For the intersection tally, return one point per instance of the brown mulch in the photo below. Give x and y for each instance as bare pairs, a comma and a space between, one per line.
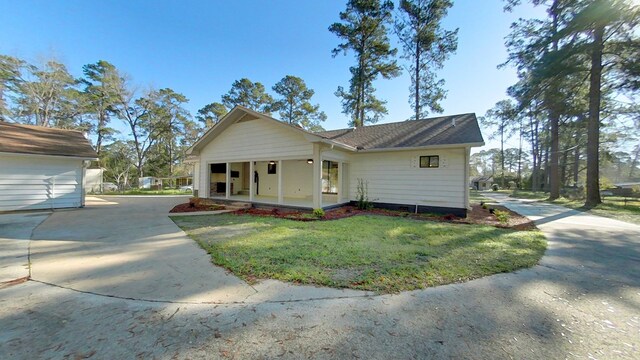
189, 207
477, 215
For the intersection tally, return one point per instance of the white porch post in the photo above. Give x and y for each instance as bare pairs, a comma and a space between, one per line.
252, 184
280, 187
227, 190
340, 192
317, 177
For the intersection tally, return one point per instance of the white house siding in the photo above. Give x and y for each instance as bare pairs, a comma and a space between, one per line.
39, 182
297, 179
252, 140
396, 177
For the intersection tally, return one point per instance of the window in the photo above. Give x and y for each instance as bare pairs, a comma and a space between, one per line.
431, 161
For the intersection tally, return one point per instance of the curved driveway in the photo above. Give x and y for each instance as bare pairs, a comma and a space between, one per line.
582, 301
128, 247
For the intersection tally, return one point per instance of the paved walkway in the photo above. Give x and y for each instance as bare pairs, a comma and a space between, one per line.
582, 301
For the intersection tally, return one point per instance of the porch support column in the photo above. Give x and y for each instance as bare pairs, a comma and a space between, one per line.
280, 187
317, 177
227, 190
252, 184
340, 192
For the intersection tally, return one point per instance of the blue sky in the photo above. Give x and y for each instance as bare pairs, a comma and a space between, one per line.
199, 48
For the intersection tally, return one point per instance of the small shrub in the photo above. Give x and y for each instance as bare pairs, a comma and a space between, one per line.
502, 216
319, 213
362, 195
495, 187
484, 206
194, 202
275, 211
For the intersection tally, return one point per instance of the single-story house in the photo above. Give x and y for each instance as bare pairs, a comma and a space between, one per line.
482, 183
420, 165
42, 168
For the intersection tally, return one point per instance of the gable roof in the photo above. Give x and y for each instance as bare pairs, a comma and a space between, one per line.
460, 129
40, 140
239, 113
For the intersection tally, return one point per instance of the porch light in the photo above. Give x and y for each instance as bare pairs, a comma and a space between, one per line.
309, 161
272, 162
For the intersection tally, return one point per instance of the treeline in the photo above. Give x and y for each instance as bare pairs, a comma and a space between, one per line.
159, 127
575, 104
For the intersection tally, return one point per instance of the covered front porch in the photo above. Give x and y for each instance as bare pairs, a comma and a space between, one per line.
298, 183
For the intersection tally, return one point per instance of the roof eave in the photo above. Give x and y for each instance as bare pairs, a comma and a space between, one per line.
50, 156
442, 146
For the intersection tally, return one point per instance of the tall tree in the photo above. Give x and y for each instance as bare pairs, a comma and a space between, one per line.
172, 121
43, 94
503, 116
249, 94
211, 114
589, 37
294, 104
102, 82
364, 31
426, 46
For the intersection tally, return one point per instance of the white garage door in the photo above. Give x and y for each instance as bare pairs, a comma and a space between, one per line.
39, 182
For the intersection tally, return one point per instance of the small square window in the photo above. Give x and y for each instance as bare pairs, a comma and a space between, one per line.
431, 161
271, 168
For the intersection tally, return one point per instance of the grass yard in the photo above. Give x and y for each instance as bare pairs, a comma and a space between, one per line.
612, 207
377, 253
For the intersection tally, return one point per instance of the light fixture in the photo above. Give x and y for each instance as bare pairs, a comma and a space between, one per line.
272, 162
309, 161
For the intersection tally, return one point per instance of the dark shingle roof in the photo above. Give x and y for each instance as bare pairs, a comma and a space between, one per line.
410, 134
39, 140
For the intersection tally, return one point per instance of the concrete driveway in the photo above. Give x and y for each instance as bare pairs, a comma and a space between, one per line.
582, 301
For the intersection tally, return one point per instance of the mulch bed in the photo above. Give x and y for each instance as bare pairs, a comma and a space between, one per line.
478, 215
190, 207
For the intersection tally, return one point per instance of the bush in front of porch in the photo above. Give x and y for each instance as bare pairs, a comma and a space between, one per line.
377, 253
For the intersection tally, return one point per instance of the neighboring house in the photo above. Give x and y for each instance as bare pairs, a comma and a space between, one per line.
149, 182
156, 183
42, 168
412, 165
482, 182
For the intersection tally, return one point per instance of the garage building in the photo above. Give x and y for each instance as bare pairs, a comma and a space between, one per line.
42, 168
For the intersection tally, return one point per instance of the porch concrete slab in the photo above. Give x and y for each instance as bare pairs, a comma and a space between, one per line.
15, 232
129, 248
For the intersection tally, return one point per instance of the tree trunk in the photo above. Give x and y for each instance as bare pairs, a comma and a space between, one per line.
519, 177
593, 125
502, 153
634, 162
417, 80
554, 120
576, 164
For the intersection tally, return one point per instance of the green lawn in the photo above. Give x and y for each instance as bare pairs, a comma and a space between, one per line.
527, 194
612, 206
378, 253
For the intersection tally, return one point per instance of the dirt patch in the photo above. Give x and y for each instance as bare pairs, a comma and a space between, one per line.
478, 215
